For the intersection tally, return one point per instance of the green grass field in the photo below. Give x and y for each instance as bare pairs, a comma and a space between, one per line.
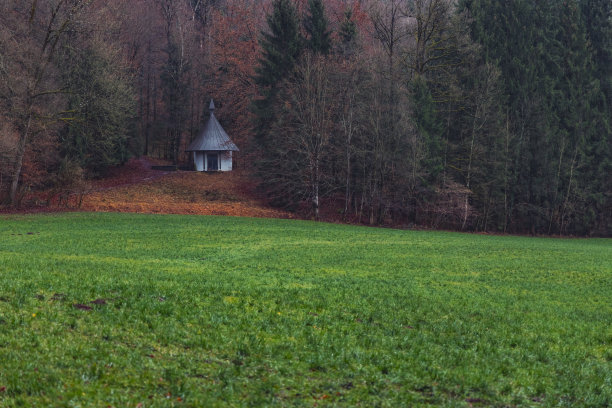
121, 310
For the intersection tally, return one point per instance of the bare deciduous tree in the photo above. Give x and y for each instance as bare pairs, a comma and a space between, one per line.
31, 33
310, 106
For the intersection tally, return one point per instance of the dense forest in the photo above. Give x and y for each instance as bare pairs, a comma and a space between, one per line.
475, 115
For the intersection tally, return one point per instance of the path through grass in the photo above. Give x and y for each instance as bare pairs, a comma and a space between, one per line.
120, 310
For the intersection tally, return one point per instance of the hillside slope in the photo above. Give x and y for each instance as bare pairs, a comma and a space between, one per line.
137, 188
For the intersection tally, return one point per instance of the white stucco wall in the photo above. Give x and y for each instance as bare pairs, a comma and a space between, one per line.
224, 160
198, 159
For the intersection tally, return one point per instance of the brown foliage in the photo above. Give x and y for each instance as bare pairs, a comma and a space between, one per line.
234, 50
137, 188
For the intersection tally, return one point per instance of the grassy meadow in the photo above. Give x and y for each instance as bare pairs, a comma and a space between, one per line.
120, 310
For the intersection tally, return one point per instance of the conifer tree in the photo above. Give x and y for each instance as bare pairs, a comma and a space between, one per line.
428, 125
101, 101
558, 131
281, 46
348, 33
586, 87
315, 23
597, 16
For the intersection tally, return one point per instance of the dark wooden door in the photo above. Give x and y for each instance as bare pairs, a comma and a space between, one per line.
213, 161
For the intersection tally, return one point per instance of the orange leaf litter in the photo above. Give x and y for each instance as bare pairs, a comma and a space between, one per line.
138, 189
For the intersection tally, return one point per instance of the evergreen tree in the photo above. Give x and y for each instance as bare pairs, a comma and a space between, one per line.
597, 15
556, 112
348, 28
513, 41
101, 102
348, 34
598, 147
281, 46
315, 24
428, 125
586, 117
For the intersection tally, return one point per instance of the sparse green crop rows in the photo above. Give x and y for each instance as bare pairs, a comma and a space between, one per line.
120, 310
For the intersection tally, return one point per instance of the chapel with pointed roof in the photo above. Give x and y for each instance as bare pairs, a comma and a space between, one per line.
212, 149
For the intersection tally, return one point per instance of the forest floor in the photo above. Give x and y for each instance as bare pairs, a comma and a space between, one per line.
137, 188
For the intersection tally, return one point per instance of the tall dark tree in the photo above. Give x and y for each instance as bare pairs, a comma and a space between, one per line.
597, 17
281, 45
101, 103
385, 136
302, 155
175, 89
174, 80
318, 38
350, 95
348, 33
428, 125
514, 47
584, 123
556, 112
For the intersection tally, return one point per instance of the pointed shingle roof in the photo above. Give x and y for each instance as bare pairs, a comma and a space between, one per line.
212, 137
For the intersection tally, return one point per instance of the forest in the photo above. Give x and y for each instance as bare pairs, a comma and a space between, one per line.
473, 115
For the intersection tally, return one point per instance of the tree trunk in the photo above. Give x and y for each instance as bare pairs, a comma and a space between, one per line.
315, 189
469, 172
23, 139
557, 181
562, 216
506, 157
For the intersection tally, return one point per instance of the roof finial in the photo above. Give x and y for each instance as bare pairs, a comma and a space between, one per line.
212, 106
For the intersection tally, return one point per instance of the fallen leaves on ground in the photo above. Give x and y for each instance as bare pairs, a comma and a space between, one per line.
139, 189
